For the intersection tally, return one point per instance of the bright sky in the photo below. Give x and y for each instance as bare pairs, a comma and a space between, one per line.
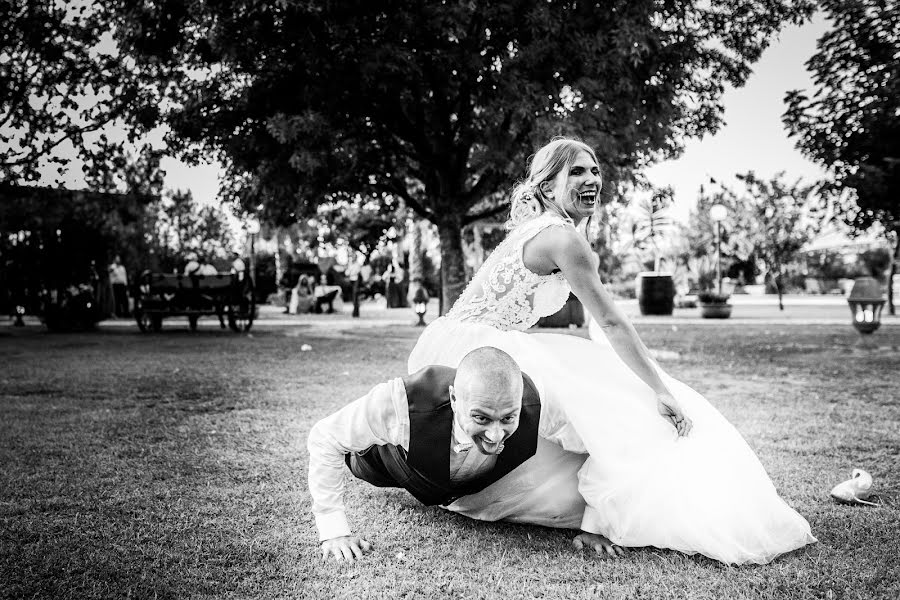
752, 138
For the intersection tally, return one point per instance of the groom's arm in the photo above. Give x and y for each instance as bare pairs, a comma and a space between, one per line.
378, 418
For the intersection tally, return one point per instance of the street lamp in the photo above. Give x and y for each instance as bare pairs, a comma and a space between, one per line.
20, 312
253, 229
717, 213
420, 302
866, 302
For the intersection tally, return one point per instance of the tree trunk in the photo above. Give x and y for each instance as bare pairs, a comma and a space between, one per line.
778, 289
416, 268
453, 268
892, 271
278, 270
356, 284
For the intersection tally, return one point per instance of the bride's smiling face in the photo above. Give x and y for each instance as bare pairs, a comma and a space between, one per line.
577, 189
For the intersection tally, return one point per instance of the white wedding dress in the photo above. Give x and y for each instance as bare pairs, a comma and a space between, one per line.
705, 493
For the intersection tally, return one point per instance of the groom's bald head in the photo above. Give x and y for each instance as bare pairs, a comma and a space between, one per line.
486, 397
489, 371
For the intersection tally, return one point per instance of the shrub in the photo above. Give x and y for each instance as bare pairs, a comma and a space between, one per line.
709, 297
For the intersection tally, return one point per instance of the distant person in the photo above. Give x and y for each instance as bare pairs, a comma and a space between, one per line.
207, 269
193, 265
325, 295
393, 291
118, 277
301, 297
237, 263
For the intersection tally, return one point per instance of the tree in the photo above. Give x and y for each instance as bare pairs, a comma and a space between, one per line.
773, 220
851, 122
61, 82
438, 103
51, 239
652, 222
360, 224
178, 225
416, 271
125, 172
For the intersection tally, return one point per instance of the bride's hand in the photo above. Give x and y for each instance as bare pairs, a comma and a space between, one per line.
671, 411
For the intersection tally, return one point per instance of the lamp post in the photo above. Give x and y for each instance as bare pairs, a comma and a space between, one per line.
420, 301
253, 230
866, 302
717, 213
20, 312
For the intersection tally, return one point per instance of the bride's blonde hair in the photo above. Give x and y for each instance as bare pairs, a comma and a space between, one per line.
528, 200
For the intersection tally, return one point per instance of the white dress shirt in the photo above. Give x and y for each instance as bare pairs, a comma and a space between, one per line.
118, 275
466, 462
382, 417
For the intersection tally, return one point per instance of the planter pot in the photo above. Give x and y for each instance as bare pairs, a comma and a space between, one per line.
715, 311
655, 293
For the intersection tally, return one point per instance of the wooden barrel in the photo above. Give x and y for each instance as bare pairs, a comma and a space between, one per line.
656, 294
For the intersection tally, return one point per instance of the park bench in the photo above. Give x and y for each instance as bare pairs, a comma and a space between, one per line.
161, 295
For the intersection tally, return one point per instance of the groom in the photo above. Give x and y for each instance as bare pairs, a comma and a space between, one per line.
442, 434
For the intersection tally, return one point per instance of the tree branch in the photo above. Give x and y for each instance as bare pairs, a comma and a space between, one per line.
399, 188
485, 214
488, 180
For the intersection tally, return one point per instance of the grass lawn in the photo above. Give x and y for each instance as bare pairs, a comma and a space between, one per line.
174, 466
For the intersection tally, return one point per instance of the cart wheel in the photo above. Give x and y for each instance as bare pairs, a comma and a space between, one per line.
241, 313
144, 320
192, 322
156, 323
240, 317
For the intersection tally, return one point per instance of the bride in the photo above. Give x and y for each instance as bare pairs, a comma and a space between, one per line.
661, 466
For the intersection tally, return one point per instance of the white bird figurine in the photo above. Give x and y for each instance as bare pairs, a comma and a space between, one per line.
855, 490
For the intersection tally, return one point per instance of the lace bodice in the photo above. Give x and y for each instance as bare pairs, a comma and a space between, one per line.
504, 292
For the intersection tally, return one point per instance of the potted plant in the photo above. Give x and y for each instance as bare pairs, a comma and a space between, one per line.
714, 305
655, 290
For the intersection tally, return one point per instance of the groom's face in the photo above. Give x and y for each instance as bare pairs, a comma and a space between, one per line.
487, 413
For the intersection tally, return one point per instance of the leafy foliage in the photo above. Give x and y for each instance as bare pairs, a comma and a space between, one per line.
653, 222
438, 103
61, 82
358, 223
709, 297
52, 239
851, 122
176, 225
772, 222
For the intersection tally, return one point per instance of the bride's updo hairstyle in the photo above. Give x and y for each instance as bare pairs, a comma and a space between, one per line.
528, 200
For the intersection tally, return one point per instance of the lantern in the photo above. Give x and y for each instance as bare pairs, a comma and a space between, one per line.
866, 302
420, 304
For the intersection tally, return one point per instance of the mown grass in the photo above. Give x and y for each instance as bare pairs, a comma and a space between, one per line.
174, 466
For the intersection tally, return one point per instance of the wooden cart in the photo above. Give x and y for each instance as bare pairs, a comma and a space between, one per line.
225, 295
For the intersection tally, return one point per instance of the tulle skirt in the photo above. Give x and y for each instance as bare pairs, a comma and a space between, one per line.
705, 493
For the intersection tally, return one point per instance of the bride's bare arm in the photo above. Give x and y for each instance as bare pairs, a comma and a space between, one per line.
566, 250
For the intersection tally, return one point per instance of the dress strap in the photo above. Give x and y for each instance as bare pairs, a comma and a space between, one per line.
529, 229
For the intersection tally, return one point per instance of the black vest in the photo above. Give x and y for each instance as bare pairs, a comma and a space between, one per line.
425, 470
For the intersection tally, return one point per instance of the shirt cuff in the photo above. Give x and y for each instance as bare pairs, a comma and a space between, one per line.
590, 521
332, 525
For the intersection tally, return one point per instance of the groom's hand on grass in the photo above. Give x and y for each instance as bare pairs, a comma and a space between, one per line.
599, 544
346, 547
